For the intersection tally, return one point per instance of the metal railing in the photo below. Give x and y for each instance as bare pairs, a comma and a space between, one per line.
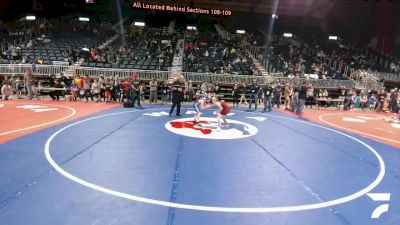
11, 69
386, 76
122, 73
227, 79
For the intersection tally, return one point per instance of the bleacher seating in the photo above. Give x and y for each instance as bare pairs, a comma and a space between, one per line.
207, 53
149, 50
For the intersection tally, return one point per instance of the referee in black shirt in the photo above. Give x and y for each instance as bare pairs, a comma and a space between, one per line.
177, 95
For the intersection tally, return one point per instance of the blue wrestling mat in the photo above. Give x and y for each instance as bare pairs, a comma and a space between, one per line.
143, 167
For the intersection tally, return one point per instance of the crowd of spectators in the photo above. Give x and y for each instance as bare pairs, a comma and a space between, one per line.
145, 49
116, 89
45, 41
322, 59
208, 53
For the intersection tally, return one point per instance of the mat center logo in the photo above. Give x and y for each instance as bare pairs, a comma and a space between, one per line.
209, 129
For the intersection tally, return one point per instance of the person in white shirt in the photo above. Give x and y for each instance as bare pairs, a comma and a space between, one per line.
95, 88
6, 91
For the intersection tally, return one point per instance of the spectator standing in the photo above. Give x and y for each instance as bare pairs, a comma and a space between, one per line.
87, 88
288, 92
164, 92
19, 84
177, 95
107, 90
135, 90
371, 101
190, 91
119, 91
12, 82
381, 97
277, 95
363, 100
236, 94
96, 90
302, 98
29, 81
260, 96
243, 93
310, 96
394, 94
295, 99
253, 92
267, 90
102, 87
153, 90
141, 89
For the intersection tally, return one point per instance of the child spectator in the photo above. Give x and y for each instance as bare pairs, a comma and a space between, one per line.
371, 101
74, 90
